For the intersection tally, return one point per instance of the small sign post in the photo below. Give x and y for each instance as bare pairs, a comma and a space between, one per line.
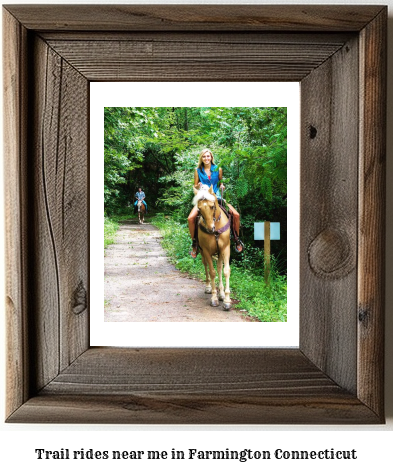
267, 231
267, 252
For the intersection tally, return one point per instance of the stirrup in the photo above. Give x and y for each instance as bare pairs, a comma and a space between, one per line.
239, 242
194, 251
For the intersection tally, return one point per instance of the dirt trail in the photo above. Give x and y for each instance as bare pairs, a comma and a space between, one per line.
141, 285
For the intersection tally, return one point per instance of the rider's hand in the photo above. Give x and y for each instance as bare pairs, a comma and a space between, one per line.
222, 186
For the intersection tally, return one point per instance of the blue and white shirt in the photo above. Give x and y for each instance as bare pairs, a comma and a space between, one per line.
140, 195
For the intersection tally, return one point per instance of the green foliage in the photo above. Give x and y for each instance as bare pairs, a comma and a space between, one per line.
110, 229
158, 148
265, 303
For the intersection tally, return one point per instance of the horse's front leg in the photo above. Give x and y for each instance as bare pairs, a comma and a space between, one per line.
227, 272
221, 295
214, 299
208, 288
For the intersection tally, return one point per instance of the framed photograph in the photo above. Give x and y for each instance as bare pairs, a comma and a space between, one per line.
251, 127
337, 54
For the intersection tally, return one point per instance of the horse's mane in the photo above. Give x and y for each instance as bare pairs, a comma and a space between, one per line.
203, 193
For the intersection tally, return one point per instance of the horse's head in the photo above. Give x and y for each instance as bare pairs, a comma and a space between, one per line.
206, 201
139, 205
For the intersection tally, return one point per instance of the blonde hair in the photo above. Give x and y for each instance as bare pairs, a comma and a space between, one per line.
205, 150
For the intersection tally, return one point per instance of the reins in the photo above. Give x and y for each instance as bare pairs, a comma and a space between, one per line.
224, 202
217, 232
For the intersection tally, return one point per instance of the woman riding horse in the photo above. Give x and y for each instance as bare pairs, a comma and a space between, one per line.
214, 240
210, 174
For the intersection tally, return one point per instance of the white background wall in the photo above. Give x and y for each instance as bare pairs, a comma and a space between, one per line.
373, 443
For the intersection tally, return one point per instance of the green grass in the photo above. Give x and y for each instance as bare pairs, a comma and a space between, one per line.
266, 303
110, 229
111, 225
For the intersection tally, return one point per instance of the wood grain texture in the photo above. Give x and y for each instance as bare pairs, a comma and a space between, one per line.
61, 212
201, 37
371, 262
195, 17
193, 386
52, 374
231, 60
183, 371
14, 74
329, 203
194, 409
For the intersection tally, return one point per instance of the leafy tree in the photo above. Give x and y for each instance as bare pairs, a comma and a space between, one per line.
158, 148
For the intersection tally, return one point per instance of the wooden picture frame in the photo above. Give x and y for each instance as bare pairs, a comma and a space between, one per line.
338, 54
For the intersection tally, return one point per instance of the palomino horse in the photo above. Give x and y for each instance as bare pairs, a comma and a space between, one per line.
214, 238
141, 212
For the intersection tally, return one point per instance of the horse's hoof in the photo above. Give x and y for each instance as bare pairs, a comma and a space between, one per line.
221, 297
226, 306
214, 303
208, 291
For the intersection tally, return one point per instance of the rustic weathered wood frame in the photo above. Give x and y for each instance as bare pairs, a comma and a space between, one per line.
338, 53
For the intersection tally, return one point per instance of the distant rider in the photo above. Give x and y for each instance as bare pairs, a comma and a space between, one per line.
140, 196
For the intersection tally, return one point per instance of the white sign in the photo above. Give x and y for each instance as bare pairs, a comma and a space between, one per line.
259, 231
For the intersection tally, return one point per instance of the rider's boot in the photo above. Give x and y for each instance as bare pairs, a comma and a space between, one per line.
194, 251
